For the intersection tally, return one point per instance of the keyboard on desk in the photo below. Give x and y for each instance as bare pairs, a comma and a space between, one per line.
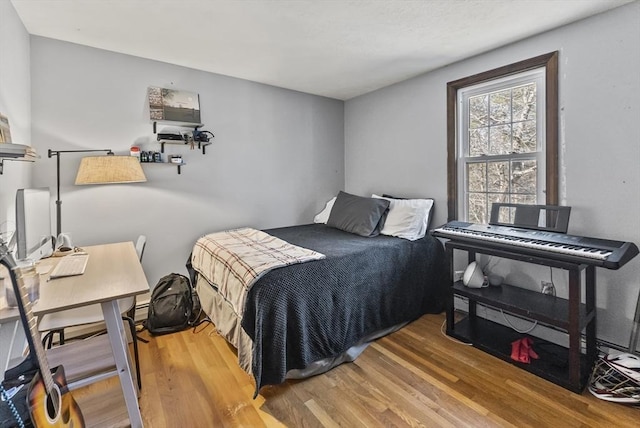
73, 264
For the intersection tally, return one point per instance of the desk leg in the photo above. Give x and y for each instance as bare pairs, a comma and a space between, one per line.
118, 339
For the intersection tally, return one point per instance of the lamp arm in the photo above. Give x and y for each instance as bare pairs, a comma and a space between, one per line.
57, 153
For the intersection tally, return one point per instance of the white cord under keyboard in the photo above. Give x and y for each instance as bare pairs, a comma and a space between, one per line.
73, 264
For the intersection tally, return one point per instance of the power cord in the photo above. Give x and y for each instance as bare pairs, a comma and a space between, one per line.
517, 330
459, 342
530, 329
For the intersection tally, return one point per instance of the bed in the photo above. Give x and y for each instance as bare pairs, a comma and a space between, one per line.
307, 317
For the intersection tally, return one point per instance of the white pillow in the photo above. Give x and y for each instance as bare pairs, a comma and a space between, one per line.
407, 218
323, 215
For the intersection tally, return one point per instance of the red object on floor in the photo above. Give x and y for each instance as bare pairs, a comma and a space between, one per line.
522, 350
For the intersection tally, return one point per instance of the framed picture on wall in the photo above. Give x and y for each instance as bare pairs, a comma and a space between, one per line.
5, 132
173, 105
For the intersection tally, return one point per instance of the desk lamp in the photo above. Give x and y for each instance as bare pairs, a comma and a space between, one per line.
107, 169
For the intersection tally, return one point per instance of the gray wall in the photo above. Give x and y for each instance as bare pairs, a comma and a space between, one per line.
277, 155
15, 103
396, 143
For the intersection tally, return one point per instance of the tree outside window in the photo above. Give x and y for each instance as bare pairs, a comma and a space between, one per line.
503, 138
501, 147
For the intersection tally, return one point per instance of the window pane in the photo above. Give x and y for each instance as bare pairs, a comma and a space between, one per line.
476, 177
524, 137
500, 107
478, 208
523, 177
498, 197
498, 177
478, 141
524, 103
500, 140
478, 111
524, 199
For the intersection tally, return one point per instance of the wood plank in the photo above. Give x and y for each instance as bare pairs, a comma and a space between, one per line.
414, 377
102, 404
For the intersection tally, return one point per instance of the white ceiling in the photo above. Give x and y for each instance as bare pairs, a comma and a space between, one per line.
335, 48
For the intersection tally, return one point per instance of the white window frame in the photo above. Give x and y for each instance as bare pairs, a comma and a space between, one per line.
536, 76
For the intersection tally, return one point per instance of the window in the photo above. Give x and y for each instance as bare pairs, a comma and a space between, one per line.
502, 138
501, 143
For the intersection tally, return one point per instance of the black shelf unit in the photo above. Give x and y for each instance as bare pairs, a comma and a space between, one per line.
568, 366
201, 144
495, 339
550, 310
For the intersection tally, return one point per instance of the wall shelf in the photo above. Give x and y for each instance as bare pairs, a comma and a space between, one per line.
202, 145
16, 152
178, 165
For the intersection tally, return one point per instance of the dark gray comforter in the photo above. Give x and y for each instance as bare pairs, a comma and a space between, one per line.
306, 312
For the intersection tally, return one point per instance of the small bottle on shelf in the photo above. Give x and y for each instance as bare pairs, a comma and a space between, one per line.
135, 151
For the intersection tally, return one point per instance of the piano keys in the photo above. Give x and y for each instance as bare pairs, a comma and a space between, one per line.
578, 249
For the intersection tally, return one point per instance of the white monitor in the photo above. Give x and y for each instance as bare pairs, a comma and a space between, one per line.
33, 224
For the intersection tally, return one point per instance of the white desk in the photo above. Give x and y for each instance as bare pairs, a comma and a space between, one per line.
113, 272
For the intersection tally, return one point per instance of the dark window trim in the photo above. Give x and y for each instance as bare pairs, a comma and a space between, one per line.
550, 62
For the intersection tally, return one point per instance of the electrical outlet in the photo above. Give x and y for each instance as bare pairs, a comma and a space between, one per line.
547, 288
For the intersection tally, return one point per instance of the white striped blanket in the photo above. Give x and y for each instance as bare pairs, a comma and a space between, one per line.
234, 260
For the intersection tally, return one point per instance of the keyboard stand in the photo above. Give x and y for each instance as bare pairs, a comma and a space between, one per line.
564, 366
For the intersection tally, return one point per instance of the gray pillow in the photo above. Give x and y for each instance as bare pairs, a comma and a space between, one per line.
359, 215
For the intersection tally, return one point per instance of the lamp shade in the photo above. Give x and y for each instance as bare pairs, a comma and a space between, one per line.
110, 169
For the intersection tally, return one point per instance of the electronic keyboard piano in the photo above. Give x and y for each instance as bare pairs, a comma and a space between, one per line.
576, 249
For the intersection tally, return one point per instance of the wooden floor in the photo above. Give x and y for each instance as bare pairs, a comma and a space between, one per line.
414, 377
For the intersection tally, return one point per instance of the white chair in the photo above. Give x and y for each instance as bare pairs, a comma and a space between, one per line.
57, 322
